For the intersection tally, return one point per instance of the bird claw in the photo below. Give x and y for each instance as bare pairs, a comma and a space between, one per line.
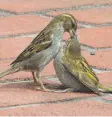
37, 88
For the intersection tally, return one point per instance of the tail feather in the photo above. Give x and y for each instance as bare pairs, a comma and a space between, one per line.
9, 71
104, 89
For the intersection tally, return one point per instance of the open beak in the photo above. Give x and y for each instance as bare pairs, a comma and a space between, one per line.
72, 32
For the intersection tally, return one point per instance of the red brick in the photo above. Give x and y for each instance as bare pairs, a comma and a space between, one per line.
22, 24
35, 5
101, 59
94, 15
96, 37
12, 47
105, 78
23, 93
107, 97
80, 108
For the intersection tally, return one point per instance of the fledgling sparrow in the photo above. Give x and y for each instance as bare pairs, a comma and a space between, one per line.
43, 48
73, 70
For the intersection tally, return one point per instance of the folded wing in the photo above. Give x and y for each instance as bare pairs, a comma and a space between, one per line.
41, 42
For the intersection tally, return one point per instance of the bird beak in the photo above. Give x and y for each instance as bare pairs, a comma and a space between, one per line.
72, 32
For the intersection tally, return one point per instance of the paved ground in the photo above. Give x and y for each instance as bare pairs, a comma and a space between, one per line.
20, 22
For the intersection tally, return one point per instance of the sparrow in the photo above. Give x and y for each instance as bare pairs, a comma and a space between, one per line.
74, 72
43, 48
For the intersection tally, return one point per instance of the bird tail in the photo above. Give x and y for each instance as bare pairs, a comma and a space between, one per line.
9, 71
104, 89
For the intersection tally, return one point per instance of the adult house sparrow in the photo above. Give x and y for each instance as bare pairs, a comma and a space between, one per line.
43, 48
73, 70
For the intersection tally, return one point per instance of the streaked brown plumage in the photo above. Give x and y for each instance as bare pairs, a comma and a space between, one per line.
73, 70
43, 48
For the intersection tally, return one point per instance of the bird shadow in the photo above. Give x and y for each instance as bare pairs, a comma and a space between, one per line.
31, 85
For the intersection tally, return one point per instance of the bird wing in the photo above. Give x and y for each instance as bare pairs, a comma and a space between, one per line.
40, 42
83, 72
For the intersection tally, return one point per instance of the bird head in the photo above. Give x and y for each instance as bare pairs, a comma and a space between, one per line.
72, 48
69, 23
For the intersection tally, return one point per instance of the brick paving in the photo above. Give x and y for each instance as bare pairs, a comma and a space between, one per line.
20, 22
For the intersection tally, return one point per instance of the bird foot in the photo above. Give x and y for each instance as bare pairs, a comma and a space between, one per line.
55, 91
60, 91
39, 88
66, 90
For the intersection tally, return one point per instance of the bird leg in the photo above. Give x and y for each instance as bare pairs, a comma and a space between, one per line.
35, 80
38, 79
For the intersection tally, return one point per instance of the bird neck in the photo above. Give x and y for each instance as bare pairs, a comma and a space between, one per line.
74, 50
